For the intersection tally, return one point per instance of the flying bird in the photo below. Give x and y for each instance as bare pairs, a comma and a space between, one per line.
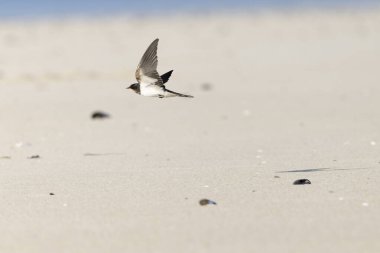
149, 82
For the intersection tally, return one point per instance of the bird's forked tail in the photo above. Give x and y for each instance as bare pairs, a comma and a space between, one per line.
176, 94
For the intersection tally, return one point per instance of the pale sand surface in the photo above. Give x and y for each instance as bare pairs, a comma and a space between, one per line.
289, 91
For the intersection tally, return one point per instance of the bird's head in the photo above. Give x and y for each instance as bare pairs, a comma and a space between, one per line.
135, 87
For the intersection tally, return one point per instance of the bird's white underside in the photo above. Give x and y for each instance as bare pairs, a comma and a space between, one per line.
151, 90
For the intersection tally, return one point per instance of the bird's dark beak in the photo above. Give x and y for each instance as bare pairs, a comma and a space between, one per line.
128, 87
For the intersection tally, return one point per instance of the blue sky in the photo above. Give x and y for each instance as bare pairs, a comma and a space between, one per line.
41, 8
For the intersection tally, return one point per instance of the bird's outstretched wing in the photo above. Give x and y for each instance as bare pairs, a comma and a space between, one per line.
146, 72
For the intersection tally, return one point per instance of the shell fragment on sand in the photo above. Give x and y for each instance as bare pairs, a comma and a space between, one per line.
205, 202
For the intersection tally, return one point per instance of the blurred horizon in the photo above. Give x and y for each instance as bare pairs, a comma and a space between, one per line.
20, 9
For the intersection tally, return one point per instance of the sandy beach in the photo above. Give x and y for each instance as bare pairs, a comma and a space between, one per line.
279, 96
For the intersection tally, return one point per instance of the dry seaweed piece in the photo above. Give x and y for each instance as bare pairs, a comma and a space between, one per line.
205, 202
302, 181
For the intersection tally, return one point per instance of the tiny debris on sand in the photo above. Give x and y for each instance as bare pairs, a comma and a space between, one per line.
21, 144
34, 157
100, 115
205, 202
302, 181
5, 157
102, 154
51, 194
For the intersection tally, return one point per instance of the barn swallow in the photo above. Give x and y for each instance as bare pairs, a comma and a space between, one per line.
149, 82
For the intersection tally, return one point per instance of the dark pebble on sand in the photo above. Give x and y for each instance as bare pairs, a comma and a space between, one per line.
205, 202
34, 157
99, 115
302, 181
51, 194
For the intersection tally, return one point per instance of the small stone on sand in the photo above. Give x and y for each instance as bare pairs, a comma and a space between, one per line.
100, 115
